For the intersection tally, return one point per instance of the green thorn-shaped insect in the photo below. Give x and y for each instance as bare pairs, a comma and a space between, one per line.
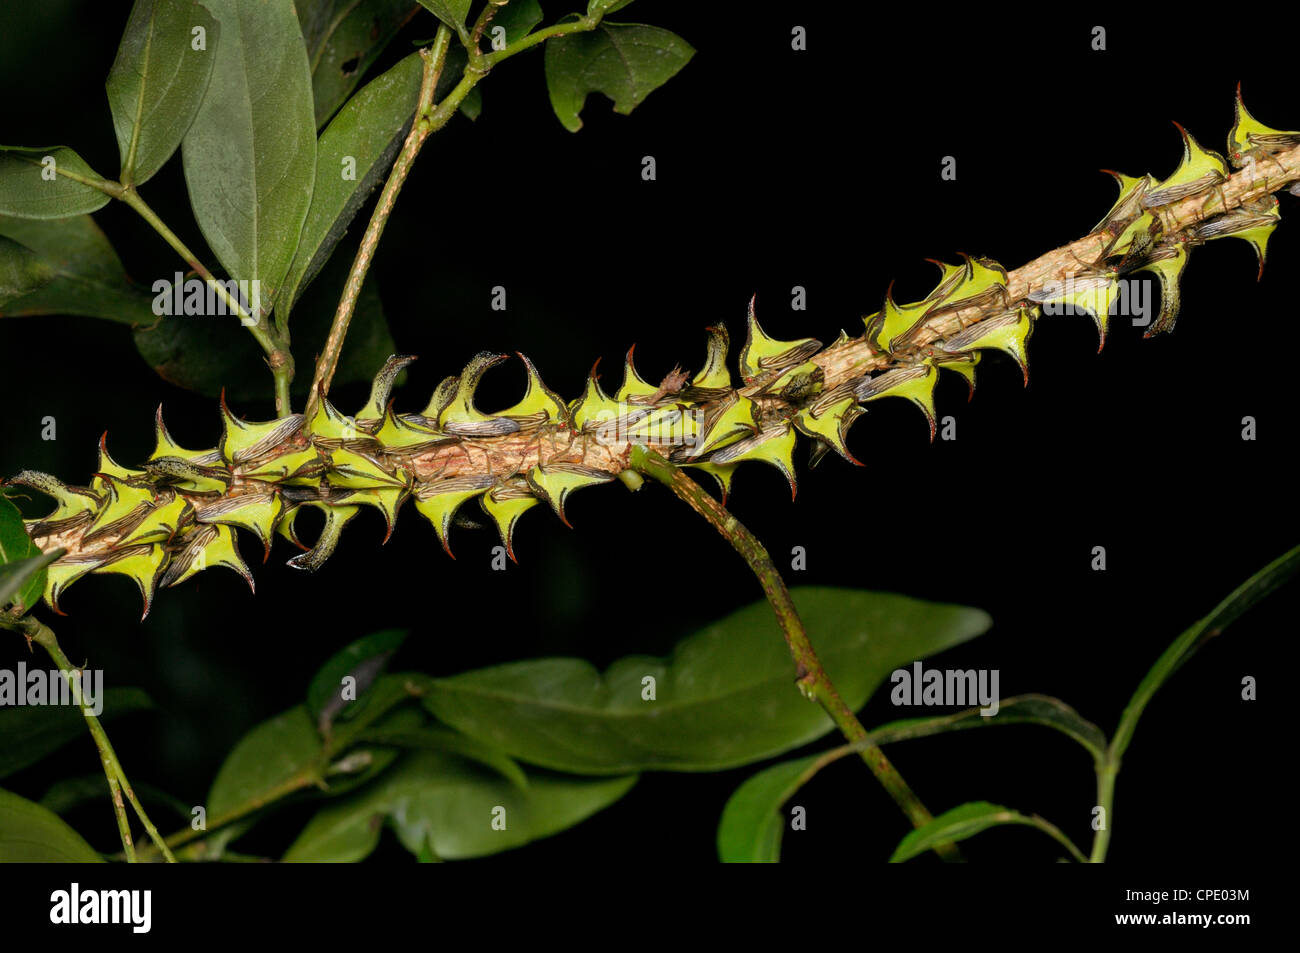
505, 504
1199, 169
1250, 140
915, 383
773, 446
1168, 266
1007, 332
554, 482
763, 356
206, 547
438, 502
828, 422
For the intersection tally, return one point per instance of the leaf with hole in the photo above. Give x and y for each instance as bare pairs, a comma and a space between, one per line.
344, 38
625, 61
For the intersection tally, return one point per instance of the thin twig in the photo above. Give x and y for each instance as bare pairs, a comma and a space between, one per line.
809, 674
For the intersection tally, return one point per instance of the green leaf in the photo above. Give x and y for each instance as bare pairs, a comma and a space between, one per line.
1242, 599
625, 61
250, 156
70, 793
1021, 709
751, 827
20, 584
23, 581
518, 17
274, 756
32, 732
53, 182
726, 697
446, 803
431, 738
31, 834
87, 276
344, 38
158, 81
22, 271
605, 7
205, 354
360, 144
450, 12
363, 660
967, 821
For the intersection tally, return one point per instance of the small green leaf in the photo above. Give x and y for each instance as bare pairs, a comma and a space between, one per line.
625, 61
23, 581
157, 82
448, 804
21, 584
344, 38
968, 820
32, 732
353, 155
22, 271
1243, 598
250, 155
726, 697
363, 661
31, 834
50, 182
87, 277
751, 827
605, 7
450, 12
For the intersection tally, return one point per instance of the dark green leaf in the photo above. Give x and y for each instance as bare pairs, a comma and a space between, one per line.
605, 6
31, 732
250, 156
967, 821
87, 276
31, 834
518, 17
274, 756
725, 698
363, 660
70, 793
625, 61
158, 81
23, 581
16, 550
431, 738
22, 271
204, 354
1021, 709
1243, 598
352, 157
447, 803
450, 12
751, 826
344, 37
53, 182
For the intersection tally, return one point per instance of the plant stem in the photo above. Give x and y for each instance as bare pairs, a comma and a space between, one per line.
811, 678
428, 120
434, 56
274, 343
1106, 774
117, 780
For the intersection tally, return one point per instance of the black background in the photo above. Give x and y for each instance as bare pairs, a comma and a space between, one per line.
775, 168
